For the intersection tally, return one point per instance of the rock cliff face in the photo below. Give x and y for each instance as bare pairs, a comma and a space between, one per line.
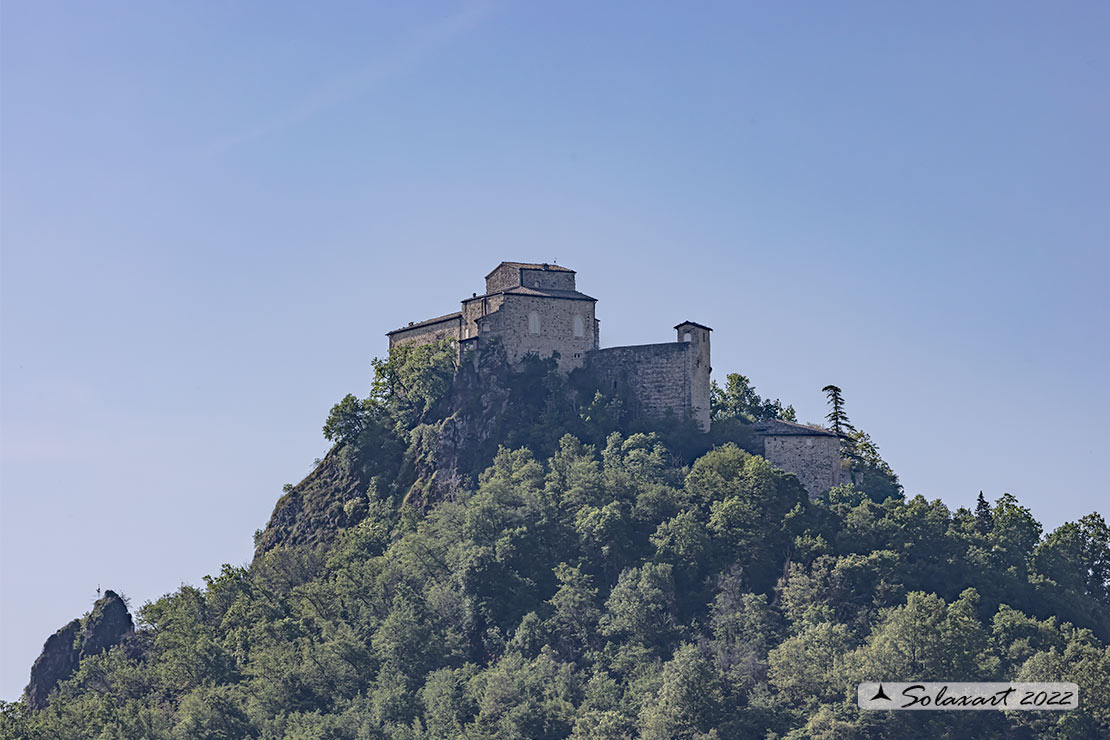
63, 651
311, 512
489, 402
333, 496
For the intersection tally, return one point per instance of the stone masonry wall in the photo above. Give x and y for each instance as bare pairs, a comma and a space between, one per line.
475, 309
698, 369
556, 317
426, 333
657, 376
552, 279
814, 459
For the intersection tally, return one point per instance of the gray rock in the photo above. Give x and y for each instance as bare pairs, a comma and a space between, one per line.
63, 651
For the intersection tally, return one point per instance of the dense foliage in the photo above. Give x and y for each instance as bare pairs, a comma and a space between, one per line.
612, 588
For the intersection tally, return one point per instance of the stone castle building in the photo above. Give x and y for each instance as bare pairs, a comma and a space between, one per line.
537, 309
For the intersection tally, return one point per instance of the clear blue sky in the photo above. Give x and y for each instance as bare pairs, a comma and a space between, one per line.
212, 212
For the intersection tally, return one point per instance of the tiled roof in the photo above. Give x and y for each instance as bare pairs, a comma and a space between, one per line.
426, 322
779, 428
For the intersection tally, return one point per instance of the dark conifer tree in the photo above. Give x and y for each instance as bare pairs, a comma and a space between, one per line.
984, 520
838, 419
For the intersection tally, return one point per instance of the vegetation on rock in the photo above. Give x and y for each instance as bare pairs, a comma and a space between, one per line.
581, 575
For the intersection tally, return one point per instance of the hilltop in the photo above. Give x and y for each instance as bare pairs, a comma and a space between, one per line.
499, 549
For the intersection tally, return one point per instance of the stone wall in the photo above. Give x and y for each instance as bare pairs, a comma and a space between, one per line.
654, 377
661, 378
556, 328
512, 274
503, 277
814, 459
475, 309
547, 279
427, 331
698, 338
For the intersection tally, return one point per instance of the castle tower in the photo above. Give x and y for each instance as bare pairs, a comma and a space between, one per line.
697, 369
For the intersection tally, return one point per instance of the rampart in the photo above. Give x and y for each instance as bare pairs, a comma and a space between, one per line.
654, 378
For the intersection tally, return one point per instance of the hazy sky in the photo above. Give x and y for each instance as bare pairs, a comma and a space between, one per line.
212, 213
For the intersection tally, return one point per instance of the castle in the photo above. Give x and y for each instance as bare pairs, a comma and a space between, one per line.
536, 309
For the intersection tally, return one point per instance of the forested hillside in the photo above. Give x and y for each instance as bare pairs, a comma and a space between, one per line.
496, 554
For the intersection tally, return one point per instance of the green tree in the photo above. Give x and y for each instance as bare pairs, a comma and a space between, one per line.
347, 419
575, 617
641, 606
984, 520
689, 704
414, 377
213, 714
837, 417
1076, 555
738, 400
1014, 535
805, 667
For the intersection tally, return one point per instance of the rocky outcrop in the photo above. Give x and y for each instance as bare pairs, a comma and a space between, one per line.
57, 662
432, 460
63, 651
314, 511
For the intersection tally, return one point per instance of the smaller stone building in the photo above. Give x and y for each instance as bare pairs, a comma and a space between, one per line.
809, 453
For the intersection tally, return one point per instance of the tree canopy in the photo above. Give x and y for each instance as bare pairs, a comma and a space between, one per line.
602, 584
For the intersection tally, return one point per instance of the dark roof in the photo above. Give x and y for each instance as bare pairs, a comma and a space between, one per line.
779, 428
693, 323
426, 322
531, 266
572, 295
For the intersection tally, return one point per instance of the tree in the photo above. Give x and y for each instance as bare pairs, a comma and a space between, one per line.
346, 420
984, 520
576, 614
805, 667
925, 640
738, 400
1077, 556
1015, 534
838, 419
689, 704
641, 606
413, 378
869, 470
